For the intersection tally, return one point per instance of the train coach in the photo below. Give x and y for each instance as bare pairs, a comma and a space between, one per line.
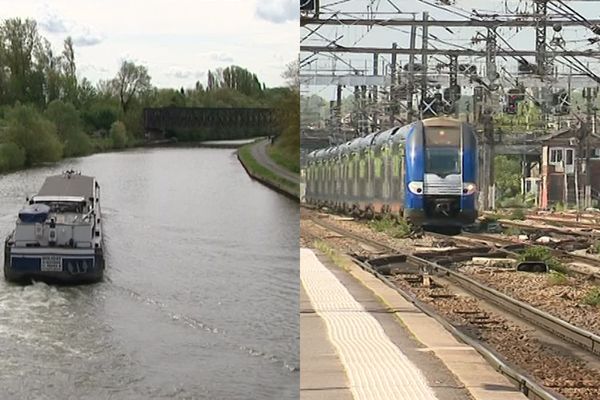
425, 172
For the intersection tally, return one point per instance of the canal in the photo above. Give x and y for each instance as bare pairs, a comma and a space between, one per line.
200, 299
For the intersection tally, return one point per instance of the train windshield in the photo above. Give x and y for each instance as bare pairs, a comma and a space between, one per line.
442, 151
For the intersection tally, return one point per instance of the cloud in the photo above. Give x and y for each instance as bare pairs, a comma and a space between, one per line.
184, 73
278, 11
87, 39
94, 68
222, 57
53, 23
82, 35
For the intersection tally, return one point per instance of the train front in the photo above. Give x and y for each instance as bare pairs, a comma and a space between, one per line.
441, 173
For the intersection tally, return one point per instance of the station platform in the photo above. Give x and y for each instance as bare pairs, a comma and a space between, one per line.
360, 339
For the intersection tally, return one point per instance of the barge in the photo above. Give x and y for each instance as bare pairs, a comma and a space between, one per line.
58, 234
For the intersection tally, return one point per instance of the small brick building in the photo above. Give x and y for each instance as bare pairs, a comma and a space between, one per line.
564, 153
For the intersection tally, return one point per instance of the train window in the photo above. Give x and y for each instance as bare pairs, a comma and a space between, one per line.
378, 166
442, 161
396, 165
362, 168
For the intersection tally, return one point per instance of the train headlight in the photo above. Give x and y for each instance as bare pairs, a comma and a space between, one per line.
415, 187
469, 188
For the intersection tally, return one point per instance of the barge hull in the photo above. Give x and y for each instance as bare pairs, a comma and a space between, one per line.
58, 266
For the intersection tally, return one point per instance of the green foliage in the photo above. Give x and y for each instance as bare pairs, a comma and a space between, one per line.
11, 157
556, 278
133, 120
264, 173
512, 231
131, 80
118, 135
517, 214
592, 297
391, 226
36, 135
288, 159
559, 206
514, 202
241, 80
541, 253
528, 117
69, 128
101, 115
507, 176
314, 109
286, 149
47, 112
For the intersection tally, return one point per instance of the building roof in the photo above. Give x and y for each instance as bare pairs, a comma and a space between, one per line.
68, 185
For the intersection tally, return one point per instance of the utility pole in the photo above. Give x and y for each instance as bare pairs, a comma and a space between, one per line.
541, 58
410, 88
338, 112
487, 199
393, 87
424, 45
453, 87
589, 97
375, 96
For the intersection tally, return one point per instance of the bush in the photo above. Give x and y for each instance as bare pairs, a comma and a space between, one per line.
11, 157
557, 279
33, 133
69, 128
118, 135
592, 298
101, 116
517, 214
513, 202
389, 225
512, 231
540, 253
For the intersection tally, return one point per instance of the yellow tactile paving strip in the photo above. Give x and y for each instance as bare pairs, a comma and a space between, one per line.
376, 368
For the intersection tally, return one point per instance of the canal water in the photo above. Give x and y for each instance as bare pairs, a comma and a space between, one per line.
200, 299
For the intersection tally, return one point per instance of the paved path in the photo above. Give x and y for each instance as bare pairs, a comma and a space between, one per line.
376, 368
259, 152
353, 346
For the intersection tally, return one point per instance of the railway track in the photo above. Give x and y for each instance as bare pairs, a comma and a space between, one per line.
382, 267
554, 229
509, 246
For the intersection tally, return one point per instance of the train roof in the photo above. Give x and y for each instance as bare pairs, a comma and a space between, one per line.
385, 136
344, 147
396, 134
442, 121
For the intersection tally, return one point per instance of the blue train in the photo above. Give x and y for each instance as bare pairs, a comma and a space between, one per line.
425, 172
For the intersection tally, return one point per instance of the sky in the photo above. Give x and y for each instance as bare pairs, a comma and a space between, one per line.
178, 41
384, 36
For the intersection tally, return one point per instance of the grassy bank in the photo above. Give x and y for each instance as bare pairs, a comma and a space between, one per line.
265, 175
286, 157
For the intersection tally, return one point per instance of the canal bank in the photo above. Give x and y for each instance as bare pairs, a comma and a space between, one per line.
257, 163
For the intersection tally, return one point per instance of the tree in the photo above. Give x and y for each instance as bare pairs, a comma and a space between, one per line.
130, 81
18, 42
69, 128
291, 75
507, 176
69, 71
118, 134
33, 133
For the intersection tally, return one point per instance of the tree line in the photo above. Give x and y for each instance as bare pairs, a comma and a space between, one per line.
47, 112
